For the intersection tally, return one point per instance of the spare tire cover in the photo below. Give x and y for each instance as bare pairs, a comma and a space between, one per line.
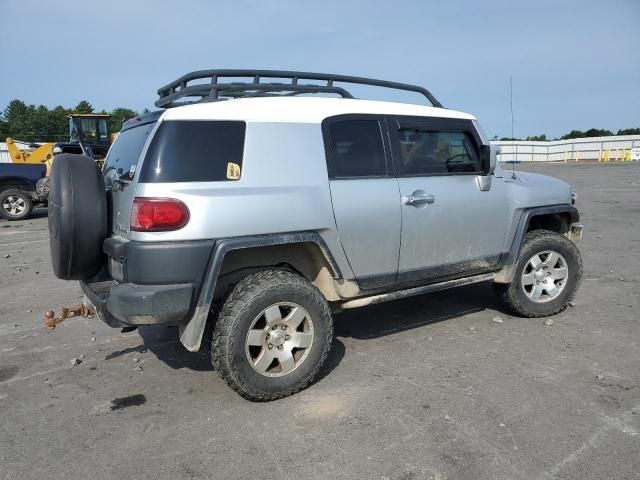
77, 217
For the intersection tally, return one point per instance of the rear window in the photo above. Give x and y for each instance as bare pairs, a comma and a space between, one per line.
195, 151
126, 151
357, 149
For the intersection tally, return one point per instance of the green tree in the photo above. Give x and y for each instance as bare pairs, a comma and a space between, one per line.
120, 115
592, 132
598, 132
4, 128
16, 114
573, 134
41, 124
83, 107
629, 131
538, 138
60, 123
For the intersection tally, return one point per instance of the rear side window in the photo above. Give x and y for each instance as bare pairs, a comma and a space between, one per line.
356, 149
126, 151
195, 151
437, 152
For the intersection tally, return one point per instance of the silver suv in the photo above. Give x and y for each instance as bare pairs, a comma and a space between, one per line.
261, 215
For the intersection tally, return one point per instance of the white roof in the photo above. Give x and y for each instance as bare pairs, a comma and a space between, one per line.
300, 109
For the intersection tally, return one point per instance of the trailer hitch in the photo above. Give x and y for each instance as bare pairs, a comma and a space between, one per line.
81, 310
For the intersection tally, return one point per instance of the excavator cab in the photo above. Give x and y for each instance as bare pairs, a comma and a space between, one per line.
90, 129
89, 134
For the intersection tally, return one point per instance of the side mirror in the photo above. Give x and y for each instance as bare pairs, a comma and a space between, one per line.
488, 159
495, 151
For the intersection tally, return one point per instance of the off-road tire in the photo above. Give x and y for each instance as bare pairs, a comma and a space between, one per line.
28, 205
247, 299
536, 241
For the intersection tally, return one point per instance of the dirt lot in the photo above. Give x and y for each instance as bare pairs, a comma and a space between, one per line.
429, 387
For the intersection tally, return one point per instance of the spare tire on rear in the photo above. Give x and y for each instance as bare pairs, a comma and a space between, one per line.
77, 217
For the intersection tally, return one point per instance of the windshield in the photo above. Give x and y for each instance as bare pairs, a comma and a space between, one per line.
124, 154
92, 129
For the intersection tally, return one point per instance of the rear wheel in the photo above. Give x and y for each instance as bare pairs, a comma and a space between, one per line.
272, 335
547, 276
15, 205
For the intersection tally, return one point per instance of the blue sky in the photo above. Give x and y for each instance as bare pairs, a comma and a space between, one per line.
575, 64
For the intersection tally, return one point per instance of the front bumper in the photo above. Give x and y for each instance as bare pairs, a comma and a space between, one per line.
128, 304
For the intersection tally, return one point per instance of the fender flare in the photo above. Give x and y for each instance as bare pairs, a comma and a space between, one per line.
505, 275
191, 330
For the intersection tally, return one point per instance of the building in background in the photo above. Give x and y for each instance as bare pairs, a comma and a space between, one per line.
618, 147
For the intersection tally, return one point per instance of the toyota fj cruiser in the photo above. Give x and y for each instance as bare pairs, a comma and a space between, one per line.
261, 215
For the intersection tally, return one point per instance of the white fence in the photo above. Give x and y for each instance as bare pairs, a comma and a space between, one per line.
594, 148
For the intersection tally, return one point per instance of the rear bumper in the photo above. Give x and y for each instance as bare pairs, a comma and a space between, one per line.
127, 304
148, 283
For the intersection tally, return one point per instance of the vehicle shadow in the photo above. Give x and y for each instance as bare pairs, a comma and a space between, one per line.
363, 323
39, 212
165, 344
415, 312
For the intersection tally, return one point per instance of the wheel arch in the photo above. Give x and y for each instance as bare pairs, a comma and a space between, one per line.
14, 183
305, 258
557, 218
305, 253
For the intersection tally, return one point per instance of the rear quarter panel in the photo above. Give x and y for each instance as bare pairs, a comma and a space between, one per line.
283, 188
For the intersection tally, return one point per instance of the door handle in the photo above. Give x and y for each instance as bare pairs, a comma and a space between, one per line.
419, 199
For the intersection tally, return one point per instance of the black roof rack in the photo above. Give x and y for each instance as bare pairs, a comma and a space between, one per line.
213, 90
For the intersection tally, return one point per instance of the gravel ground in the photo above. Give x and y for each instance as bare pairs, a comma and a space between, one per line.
428, 387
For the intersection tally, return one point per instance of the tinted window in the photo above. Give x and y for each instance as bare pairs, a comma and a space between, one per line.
195, 151
357, 149
437, 152
126, 151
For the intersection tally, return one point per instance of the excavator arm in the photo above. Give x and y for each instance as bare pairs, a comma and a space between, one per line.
39, 155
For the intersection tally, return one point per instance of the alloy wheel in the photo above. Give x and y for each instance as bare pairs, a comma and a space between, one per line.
544, 276
279, 339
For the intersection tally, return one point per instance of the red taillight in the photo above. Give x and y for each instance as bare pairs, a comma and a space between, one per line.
158, 215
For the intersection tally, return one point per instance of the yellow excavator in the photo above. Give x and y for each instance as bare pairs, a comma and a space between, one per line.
89, 134
34, 154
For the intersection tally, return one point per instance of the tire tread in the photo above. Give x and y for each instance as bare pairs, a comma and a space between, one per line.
223, 339
508, 293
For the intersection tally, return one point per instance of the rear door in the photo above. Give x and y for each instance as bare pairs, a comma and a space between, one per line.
450, 227
119, 172
365, 196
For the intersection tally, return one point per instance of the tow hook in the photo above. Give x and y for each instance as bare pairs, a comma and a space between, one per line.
81, 310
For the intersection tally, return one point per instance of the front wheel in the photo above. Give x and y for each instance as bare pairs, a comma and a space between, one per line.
547, 276
272, 335
15, 205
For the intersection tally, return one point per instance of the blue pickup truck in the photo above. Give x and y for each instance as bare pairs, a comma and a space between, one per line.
18, 192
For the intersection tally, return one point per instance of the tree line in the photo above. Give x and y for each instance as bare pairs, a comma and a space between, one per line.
592, 132
32, 123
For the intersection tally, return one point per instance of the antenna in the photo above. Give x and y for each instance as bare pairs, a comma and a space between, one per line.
513, 138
